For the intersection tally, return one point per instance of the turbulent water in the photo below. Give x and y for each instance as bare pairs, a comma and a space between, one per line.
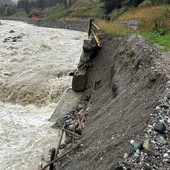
34, 67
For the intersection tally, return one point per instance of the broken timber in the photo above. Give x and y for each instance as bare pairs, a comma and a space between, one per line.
91, 31
60, 156
70, 132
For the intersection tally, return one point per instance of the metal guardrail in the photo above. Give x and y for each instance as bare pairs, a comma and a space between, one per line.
92, 34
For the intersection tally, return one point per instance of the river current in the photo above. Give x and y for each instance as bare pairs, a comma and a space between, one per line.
34, 67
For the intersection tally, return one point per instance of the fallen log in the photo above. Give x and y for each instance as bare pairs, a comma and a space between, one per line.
60, 156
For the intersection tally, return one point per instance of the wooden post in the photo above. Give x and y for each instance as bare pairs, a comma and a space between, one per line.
90, 26
57, 149
53, 150
60, 156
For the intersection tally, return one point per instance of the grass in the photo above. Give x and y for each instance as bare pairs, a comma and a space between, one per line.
55, 12
116, 28
83, 9
113, 28
150, 16
20, 15
159, 34
86, 9
162, 40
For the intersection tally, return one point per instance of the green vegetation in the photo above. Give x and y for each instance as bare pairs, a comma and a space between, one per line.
54, 12
155, 24
86, 9
153, 15
155, 37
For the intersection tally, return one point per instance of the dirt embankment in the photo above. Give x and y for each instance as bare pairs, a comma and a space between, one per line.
125, 83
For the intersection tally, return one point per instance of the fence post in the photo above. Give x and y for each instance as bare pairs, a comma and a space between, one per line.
90, 26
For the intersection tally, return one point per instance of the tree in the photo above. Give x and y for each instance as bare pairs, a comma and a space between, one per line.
109, 5
26, 6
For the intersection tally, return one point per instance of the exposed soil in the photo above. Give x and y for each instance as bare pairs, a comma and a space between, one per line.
125, 83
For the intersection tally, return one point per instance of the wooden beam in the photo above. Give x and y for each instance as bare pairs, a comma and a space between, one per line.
71, 132
96, 39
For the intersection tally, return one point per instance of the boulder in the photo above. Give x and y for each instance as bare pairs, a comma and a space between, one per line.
147, 146
79, 81
160, 127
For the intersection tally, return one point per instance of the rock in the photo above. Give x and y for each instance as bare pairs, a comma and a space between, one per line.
72, 73
14, 39
160, 127
136, 145
12, 31
117, 167
150, 126
89, 45
165, 106
79, 81
62, 146
147, 167
166, 155
125, 156
148, 147
168, 96
168, 121
68, 140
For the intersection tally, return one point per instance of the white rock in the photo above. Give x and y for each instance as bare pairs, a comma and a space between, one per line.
166, 155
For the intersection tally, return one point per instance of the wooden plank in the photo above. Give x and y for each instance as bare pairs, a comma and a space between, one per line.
95, 25
96, 39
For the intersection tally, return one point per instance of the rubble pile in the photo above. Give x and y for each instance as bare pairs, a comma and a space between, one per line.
156, 143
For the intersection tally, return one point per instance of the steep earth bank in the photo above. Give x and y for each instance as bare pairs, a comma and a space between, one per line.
125, 82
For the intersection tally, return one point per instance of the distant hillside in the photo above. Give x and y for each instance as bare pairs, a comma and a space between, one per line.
8, 2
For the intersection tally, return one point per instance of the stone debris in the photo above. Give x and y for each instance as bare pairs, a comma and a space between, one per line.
153, 152
132, 24
73, 123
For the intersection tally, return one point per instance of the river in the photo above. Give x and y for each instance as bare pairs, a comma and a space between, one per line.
34, 67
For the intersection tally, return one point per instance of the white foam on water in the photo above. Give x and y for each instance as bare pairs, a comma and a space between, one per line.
32, 70
35, 68
25, 134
